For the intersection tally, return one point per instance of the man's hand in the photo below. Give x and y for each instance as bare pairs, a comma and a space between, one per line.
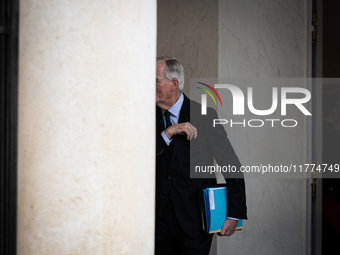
228, 228
181, 129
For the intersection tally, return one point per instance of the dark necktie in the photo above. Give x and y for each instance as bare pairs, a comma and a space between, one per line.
167, 118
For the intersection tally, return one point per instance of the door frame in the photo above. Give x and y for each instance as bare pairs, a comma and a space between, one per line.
315, 193
9, 33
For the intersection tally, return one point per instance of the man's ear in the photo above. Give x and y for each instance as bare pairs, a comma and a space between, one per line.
174, 83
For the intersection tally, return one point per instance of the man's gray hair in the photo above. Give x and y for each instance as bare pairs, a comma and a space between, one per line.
173, 70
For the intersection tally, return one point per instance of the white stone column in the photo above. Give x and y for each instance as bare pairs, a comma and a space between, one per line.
86, 127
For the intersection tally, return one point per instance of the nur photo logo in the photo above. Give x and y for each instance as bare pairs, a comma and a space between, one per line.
295, 96
204, 97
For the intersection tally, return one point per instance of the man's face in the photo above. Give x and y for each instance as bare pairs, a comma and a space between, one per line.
164, 88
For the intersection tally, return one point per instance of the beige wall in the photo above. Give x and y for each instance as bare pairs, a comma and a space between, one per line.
188, 31
86, 149
254, 39
260, 40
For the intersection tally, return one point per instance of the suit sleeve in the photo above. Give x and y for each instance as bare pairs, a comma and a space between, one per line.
225, 155
161, 145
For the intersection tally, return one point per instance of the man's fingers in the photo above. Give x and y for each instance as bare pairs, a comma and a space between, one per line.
187, 130
194, 131
224, 230
230, 232
183, 129
228, 228
191, 132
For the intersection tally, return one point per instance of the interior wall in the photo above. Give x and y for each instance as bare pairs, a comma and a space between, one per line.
257, 39
264, 39
86, 178
188, 31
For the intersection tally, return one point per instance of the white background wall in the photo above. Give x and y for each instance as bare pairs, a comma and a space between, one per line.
188, 31
86, 174
267, 39
256, 39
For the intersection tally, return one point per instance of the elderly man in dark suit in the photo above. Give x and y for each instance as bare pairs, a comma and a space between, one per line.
178, 217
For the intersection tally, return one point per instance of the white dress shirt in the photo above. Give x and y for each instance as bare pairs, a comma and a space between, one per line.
174, 116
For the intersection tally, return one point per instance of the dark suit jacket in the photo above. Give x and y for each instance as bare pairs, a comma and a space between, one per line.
173, 168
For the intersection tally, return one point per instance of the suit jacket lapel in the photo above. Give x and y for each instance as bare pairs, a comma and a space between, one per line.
159, 121
184, 116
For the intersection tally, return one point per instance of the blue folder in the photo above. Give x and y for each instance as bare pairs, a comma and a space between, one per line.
214, 208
